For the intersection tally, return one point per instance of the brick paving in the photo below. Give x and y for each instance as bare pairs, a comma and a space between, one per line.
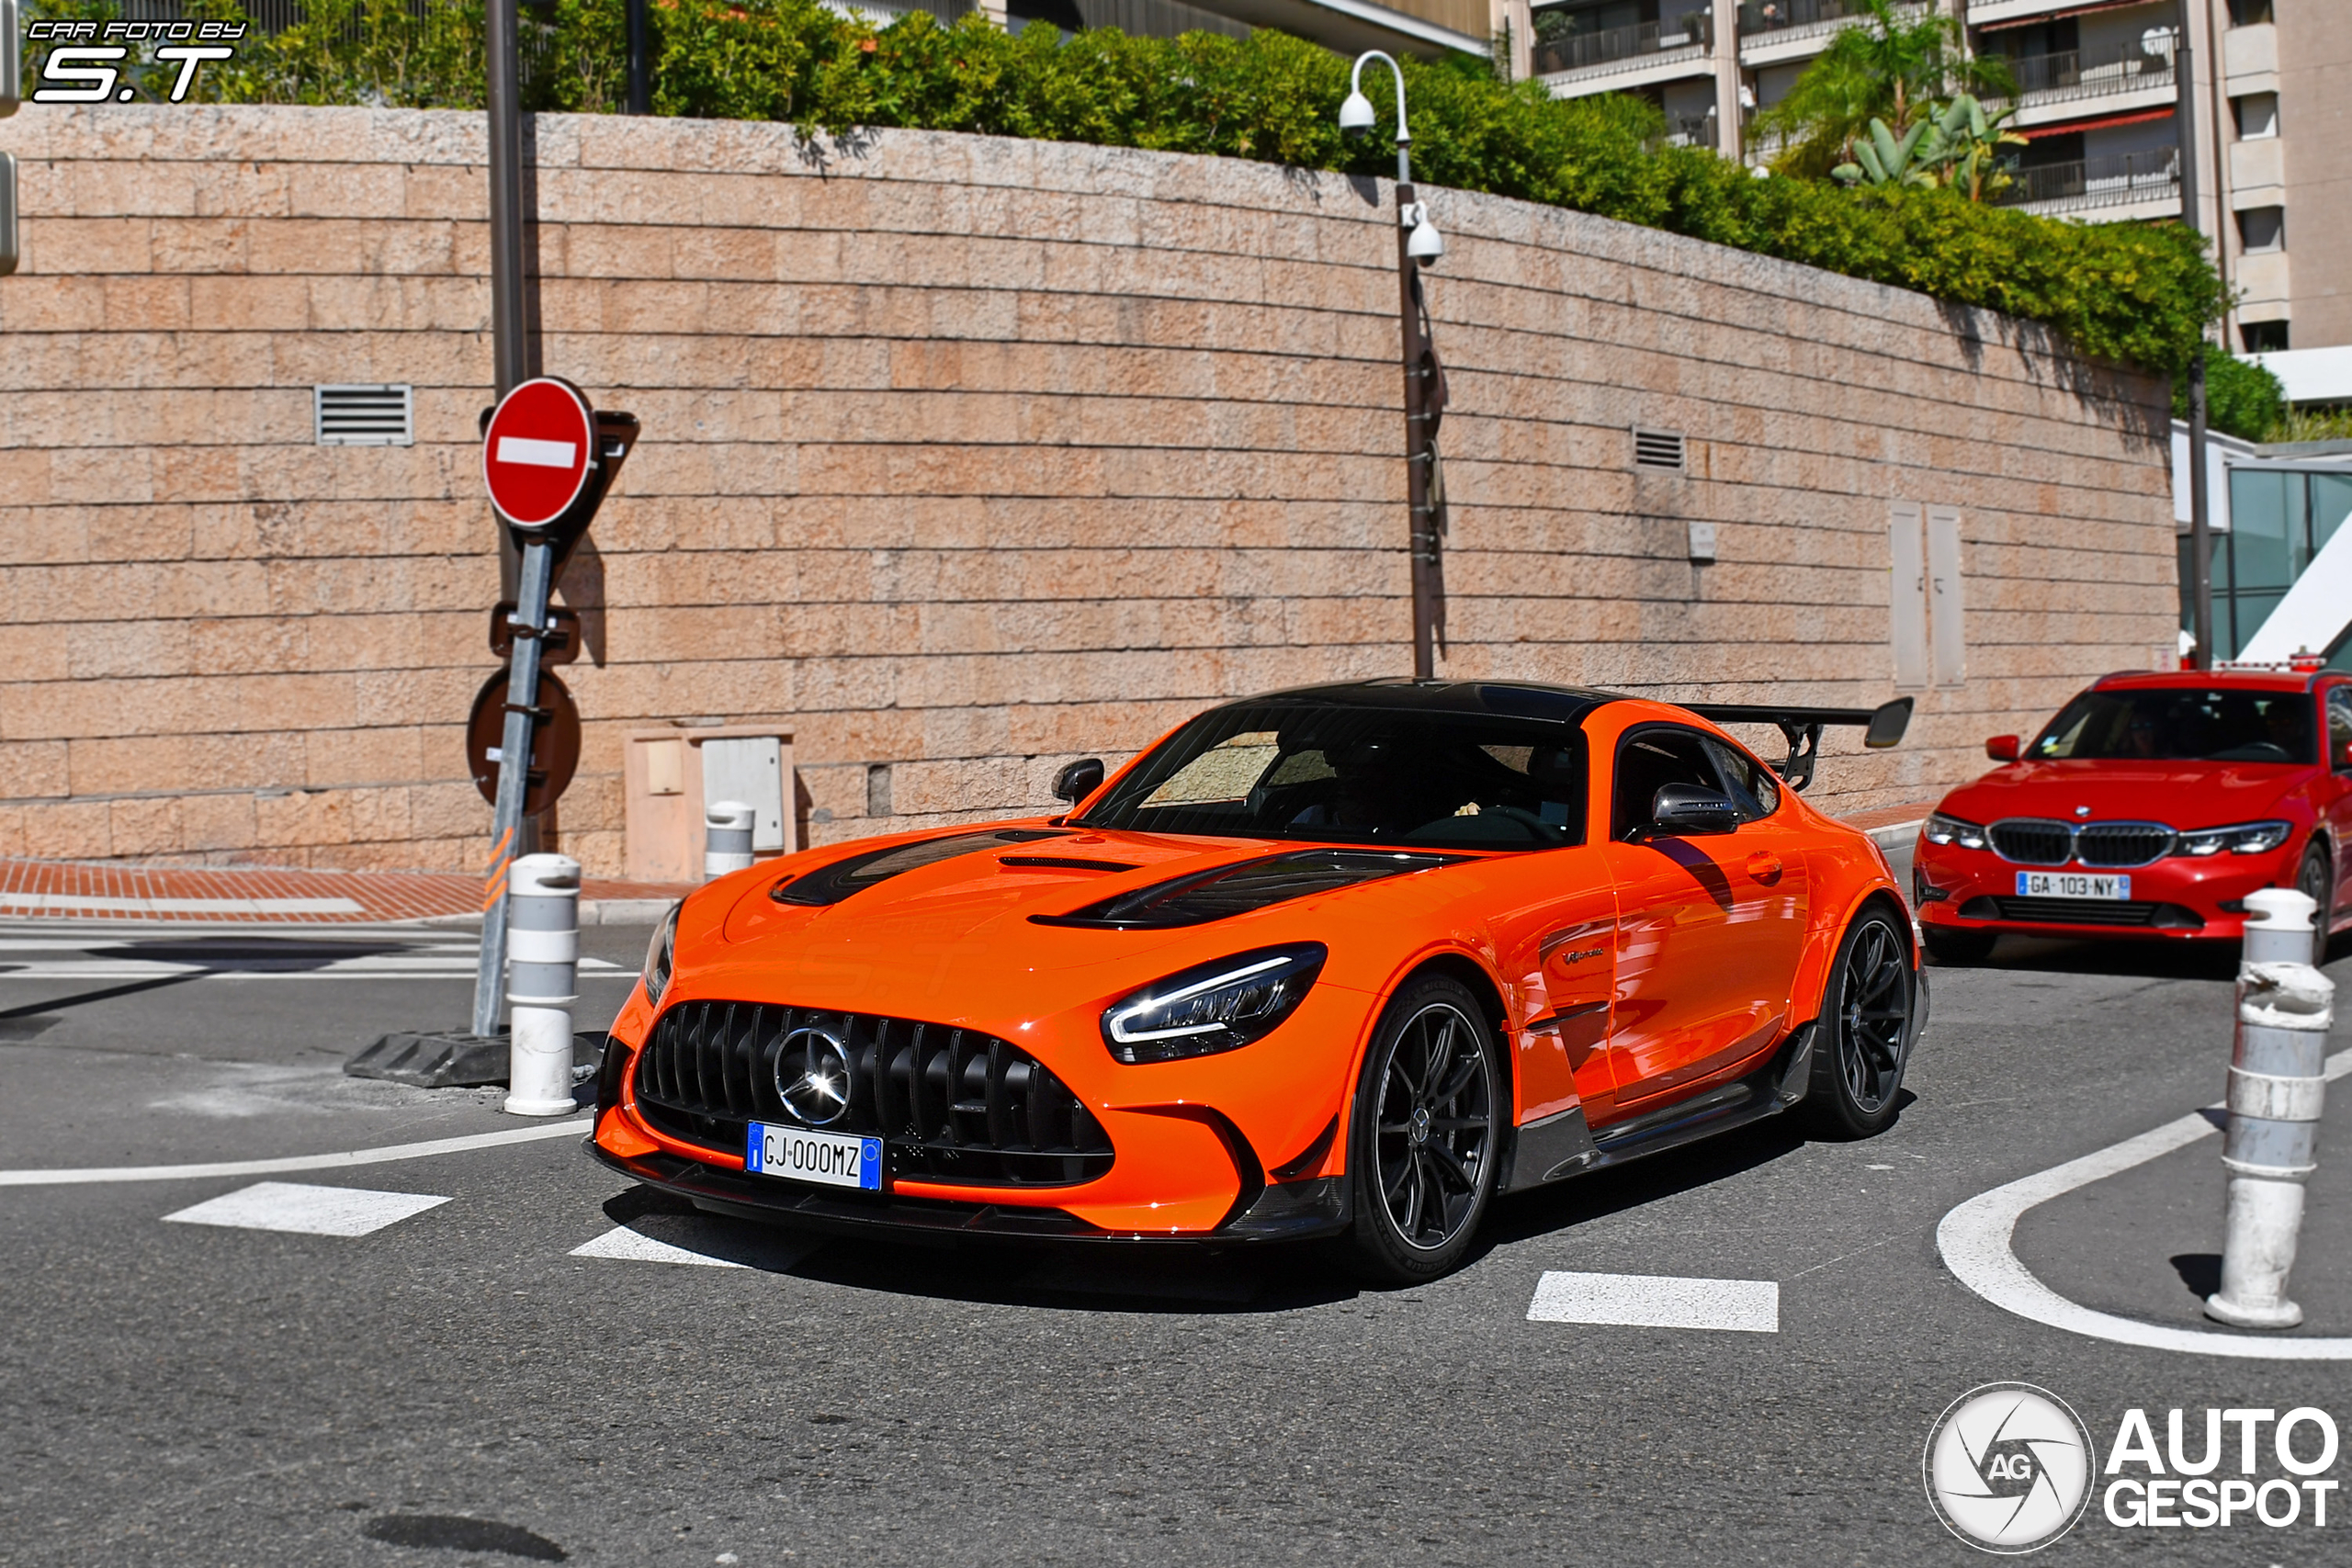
102, 890
99, 890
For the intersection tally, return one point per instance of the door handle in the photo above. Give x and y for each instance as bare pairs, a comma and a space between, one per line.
1764, 866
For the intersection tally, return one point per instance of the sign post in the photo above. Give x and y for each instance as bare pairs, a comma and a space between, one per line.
548, 458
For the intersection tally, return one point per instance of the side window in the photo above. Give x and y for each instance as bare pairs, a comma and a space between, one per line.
1647, 761
1749, 783
2339, 727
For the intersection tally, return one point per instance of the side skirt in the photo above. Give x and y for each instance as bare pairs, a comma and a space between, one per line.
1562, 1145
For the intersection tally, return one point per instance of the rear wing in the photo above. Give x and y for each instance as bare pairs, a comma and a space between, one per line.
1883, 726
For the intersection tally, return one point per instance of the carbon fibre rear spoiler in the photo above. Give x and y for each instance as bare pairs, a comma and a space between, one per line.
1883, 726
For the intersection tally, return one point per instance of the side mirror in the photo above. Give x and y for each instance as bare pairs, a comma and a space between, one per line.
1078, 780
2002, 748
1687, 811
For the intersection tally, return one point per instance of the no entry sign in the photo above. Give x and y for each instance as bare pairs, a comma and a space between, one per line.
539, 452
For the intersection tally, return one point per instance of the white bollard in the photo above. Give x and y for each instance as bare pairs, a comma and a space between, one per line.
543, 957
2276, 1091
726, 838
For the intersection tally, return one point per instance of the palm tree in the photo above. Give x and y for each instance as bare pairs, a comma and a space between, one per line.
1894, 67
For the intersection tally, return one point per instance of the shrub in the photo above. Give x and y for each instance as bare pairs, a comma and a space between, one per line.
2136, 293
2241, 399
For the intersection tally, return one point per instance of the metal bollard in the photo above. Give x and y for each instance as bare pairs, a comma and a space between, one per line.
726, 838
543, 956
2276, 1090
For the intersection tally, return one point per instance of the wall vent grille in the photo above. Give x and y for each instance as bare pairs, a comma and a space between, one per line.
1657, 450
353, 415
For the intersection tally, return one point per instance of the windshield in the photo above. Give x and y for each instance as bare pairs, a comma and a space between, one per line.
2197, 724
1337, 774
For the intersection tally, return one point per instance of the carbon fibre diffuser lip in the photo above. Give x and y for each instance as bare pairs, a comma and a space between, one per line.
1238, 889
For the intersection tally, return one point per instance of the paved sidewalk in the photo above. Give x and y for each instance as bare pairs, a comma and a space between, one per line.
87, 890
109, 891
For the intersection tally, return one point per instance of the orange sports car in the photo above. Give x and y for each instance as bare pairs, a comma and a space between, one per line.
1346, 961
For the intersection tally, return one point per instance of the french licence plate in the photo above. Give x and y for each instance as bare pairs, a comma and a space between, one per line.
827, 1158
2071, 885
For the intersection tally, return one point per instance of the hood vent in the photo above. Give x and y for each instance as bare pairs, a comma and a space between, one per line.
1231, 890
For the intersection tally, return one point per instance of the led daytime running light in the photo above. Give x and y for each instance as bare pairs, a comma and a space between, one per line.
1213, 1008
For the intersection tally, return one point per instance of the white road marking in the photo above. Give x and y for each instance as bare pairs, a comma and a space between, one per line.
310, 1211
1657, 1300
635, 1246
386, 1154
182, 906
366, 966
1974, 1241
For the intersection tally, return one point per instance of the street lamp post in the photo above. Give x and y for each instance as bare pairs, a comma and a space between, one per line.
1417, 244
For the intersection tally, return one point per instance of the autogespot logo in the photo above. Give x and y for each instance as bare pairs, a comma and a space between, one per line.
2008, 1467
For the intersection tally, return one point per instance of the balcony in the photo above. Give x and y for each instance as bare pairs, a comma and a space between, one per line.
1776, 30
1612, 51
2075, 82
2137, 180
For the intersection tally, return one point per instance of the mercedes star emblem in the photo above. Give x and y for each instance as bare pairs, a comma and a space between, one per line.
812, 1074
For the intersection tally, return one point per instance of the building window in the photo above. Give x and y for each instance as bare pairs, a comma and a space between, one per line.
2257, 116
2278, 521
2263, 338
2262, 228
2249, 13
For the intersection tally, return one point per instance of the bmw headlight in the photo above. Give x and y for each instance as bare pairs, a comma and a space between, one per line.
2245, 839
1943, 830
1216, 1007
660, 954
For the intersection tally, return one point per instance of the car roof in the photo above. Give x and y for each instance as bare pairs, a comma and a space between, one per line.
1516, 699
2242, 679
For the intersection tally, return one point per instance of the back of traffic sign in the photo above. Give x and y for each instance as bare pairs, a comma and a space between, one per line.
539, 455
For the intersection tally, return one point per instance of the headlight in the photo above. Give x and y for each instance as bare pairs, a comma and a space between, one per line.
2245, 838
1216, 1007
1943, 830
660, 953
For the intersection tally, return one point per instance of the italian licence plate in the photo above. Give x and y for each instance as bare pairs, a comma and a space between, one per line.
2072, 884
827, 1158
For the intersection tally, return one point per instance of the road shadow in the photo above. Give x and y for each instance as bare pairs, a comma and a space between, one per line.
1144, 1278
1523, 1216
2129, 960
2200, 1272
218, 955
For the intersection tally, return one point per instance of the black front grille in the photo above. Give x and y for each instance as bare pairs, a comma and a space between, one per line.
951, 1104
2031, 842
2082, 912
2121, 843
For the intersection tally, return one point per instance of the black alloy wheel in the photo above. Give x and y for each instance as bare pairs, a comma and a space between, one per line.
1426, 1128
1863, 1039
2317, 881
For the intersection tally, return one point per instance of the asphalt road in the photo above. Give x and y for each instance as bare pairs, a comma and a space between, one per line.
185, 1393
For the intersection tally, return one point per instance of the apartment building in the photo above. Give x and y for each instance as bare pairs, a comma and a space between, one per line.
2098, 96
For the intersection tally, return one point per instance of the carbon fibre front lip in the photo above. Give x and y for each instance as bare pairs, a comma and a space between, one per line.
1284, 1212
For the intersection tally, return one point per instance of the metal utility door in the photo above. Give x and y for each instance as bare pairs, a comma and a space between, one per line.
749, 769
1907, 595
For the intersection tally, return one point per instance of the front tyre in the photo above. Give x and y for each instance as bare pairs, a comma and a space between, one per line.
2317, 880
1863, 1039
1949, 946
1424, 1134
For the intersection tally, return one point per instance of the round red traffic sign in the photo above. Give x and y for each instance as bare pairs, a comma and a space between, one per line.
536, 454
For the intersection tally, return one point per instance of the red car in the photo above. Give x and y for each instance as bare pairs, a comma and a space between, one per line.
2150, 806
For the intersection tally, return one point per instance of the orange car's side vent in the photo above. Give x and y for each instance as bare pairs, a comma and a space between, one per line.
951, 1105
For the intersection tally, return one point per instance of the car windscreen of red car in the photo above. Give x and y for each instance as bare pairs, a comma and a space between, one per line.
2180, 724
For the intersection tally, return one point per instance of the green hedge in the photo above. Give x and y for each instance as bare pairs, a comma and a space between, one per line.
2130, 292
